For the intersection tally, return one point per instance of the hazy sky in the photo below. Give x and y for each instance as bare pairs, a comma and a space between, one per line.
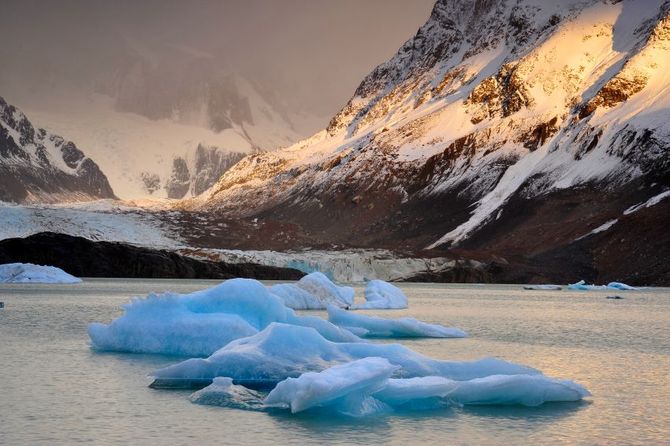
313, 52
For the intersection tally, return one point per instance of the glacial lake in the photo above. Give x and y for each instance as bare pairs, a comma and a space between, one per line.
55, 390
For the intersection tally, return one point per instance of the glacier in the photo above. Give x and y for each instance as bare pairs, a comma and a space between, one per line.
380, 294
29, 273
366, 387
314, 291
200, 323
283, 351
406, 327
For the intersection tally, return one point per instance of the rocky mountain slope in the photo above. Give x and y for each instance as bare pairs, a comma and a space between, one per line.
38, 166
502, 128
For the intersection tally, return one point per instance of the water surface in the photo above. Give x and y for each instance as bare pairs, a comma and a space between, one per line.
55, 390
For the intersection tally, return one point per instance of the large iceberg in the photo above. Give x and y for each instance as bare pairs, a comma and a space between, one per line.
29, 273
283, 351
366, 387
381, 295
314, 292
405, 327
200, 323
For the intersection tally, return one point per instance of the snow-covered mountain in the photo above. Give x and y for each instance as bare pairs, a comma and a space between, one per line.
508, 126
147, 117
40, 167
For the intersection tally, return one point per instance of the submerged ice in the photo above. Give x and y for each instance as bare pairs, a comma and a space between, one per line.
405, 327
29, 273
200, 323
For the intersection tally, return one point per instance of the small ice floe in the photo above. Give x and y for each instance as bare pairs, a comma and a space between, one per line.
315, 291
383, 295
366, 387
199, 323
29, 273
583, 286
283, 351
405, 327
543, 287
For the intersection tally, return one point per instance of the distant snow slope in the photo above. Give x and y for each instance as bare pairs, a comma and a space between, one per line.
95, 221
29, 273
138, 153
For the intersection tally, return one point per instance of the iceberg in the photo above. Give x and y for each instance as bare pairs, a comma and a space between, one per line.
346, 386
382, 295
366, 387
406, 327
283, 351
29, 273
543, 287
583, 286
315, 291
621, 286
200, 323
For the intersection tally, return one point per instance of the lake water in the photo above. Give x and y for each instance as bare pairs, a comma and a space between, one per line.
55, 390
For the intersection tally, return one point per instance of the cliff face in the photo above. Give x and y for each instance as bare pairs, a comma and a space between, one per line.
37, 166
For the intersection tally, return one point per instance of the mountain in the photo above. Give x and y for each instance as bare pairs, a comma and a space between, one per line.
149, 114
38, 166
523, 131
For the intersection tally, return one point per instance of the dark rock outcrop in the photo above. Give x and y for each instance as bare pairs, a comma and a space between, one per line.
84, 258
37, 166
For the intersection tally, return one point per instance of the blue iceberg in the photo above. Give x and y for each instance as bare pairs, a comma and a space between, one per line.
383, 295
406, 327
200, 323
283, 351
315, 291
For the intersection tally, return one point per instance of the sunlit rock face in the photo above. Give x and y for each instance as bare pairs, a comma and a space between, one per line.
38, 166
509, 127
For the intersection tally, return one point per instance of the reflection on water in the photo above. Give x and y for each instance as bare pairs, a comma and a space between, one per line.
54, 389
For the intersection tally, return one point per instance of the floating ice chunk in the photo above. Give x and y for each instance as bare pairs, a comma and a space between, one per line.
380, 295
281, 351
543, 287
582, 286
29, 273
517, 389
526, 390
345, 385
405, 327
365, 387
200, 323
313, 292
620, 286
222, 392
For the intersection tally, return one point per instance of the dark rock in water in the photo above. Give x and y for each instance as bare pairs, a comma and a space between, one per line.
2, 305
85, 258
